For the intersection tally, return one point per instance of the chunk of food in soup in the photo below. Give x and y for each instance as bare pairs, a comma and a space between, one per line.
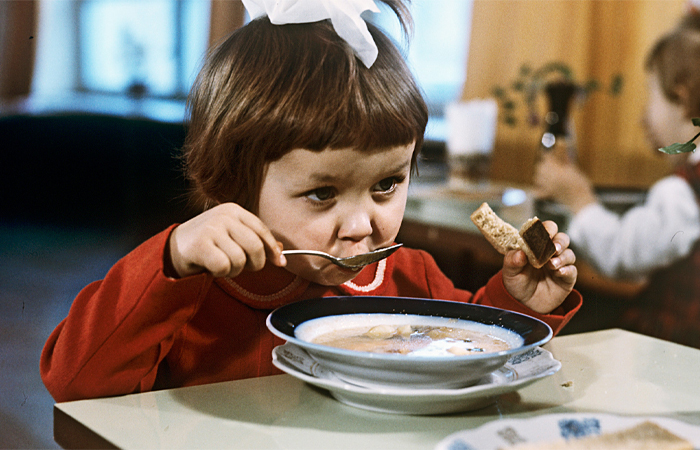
407, 334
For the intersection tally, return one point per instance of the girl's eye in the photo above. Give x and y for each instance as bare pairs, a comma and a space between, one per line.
387, 184
321, 194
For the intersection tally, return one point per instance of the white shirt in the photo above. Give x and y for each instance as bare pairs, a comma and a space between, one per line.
647, 237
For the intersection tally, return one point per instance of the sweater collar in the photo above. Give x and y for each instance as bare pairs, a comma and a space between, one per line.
274, 286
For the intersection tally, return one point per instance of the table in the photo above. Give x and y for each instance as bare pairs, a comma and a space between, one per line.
610, 371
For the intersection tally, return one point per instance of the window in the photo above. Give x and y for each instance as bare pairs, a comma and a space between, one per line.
438, 49
139, 46
152, 48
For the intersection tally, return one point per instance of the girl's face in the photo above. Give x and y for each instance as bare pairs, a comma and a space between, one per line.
342, 202
665, 122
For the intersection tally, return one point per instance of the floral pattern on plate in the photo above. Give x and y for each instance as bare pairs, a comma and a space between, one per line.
501, 434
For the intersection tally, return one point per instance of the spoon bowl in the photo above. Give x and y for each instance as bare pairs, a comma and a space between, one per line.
350, 262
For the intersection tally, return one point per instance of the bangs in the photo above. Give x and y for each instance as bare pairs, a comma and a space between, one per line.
326, 98
270, 89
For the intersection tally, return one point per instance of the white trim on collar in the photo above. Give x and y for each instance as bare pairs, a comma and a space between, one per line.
378, 279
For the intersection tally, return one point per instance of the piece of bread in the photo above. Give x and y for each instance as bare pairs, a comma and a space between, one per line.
533, 238
644, 436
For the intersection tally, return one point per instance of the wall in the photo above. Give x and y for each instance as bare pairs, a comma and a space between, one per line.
597, 39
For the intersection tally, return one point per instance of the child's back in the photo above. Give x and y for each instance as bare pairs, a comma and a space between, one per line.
656, 241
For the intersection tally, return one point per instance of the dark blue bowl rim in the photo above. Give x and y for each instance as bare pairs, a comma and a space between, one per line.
284, 320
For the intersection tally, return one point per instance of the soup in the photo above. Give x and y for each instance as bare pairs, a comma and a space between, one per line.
407, 334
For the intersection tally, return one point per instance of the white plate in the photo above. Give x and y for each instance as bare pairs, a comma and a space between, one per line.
520, 371
506, 432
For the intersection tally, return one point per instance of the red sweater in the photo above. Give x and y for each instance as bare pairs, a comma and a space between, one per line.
138, 330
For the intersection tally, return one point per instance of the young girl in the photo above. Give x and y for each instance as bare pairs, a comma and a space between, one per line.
659, 239
294, 142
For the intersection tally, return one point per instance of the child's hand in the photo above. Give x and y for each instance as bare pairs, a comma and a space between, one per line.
544, 289
223, 241
563, 182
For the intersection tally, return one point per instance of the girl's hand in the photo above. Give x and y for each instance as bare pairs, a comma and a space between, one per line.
223, 241
544, 289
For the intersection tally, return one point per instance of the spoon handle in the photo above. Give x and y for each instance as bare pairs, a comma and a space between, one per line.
307, 252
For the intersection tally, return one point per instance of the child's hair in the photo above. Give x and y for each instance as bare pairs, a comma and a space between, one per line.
269, 89
675, 58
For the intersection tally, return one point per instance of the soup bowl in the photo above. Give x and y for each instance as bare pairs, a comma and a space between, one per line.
380, 370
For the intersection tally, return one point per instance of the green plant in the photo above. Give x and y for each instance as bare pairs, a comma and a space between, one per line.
530, 82
687, 147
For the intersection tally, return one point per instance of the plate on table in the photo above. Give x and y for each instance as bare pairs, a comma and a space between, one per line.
520, 371
500, 434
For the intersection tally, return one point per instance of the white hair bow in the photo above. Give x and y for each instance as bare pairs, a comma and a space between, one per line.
344, 15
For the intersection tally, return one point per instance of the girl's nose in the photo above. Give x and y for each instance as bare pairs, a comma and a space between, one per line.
355, 224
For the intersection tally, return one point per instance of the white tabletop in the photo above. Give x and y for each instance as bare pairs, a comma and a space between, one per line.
448, 206
611, 371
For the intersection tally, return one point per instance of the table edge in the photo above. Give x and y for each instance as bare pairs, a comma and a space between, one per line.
69, 433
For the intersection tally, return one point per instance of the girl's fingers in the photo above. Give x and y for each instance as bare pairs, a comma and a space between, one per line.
249, 244
568, 274
551, 227
563, 260
247, 241
272, 248
561, 240
234, 258
226, 262
223, 241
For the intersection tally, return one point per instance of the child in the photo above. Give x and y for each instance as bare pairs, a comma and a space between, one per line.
295, 143
658, 239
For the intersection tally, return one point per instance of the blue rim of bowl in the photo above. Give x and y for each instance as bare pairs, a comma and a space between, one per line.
283, 321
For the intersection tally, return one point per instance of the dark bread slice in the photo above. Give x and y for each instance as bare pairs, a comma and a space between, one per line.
533, 238
537, 239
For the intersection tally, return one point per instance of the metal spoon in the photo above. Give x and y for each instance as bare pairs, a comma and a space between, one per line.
350, 262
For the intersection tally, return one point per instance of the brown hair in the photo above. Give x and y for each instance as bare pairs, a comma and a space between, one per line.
269, 89
675, 58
